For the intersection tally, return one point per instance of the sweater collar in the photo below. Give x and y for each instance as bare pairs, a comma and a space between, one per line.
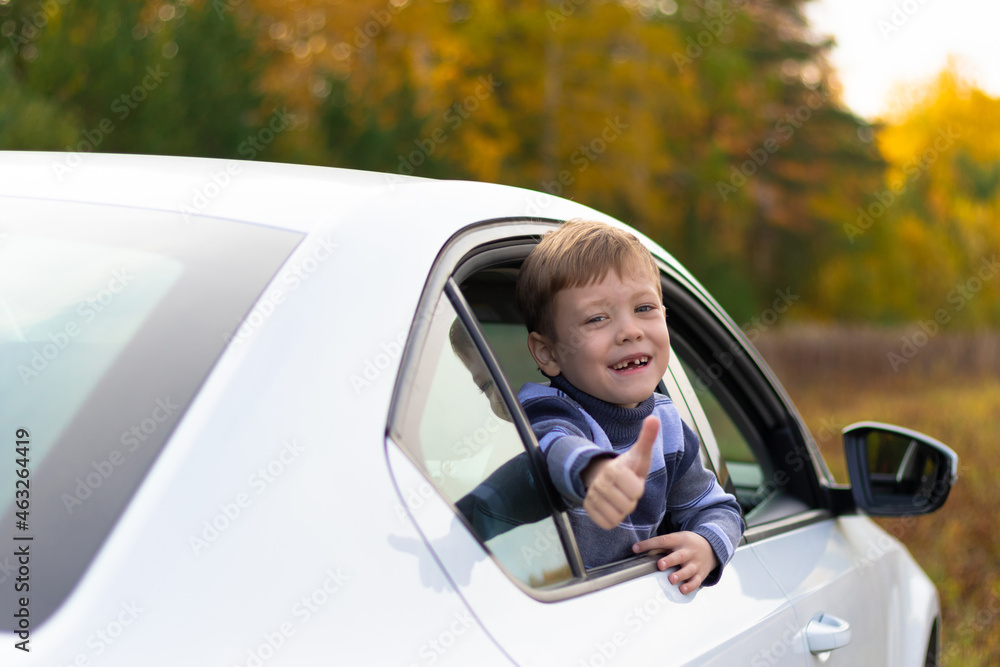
622, 425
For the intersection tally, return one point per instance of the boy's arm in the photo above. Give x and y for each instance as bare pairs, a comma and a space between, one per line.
566, 441
614, 486
698, 504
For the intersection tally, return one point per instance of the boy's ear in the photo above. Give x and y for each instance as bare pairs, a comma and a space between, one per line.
543, 352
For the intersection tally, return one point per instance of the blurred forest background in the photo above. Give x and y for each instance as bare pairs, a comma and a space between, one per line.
861, 258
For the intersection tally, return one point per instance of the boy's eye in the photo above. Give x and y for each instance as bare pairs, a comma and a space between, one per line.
486, 386
644, 309
597, 318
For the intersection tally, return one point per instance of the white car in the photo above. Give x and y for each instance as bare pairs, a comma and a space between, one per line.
236, 432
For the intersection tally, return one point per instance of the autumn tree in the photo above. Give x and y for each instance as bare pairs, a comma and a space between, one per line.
926, 239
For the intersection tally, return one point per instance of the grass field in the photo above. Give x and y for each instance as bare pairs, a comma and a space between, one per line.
949, 389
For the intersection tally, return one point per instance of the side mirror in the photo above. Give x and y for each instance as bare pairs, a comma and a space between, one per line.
895, 471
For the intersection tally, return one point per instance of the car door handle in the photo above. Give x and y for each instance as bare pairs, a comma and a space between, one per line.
826, 632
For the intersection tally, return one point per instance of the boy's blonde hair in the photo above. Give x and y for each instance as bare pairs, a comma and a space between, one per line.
580, 252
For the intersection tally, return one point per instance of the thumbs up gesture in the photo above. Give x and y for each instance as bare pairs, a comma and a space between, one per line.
614, 486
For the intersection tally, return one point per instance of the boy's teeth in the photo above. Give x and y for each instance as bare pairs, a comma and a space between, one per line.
626, 364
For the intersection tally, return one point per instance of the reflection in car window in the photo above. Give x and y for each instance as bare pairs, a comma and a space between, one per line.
110, 319
68, 308
732, 445
745, 470
471, 451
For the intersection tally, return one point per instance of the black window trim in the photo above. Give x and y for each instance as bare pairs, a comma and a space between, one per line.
740, 419
407, 417
756, 382
528, 440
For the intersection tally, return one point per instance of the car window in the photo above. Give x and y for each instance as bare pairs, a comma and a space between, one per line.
490, 294
744, 469
757, 476
110, 319
463, 438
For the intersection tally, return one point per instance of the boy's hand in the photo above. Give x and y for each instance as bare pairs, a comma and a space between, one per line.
614, 486
689, 551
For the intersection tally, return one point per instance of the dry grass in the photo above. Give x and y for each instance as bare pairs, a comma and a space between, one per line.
950, 389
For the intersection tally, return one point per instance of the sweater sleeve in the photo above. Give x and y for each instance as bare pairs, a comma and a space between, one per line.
697, 503
565, 439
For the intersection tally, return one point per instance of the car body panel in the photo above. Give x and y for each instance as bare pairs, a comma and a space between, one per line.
305, 389
852, 569
267, 406
645, 616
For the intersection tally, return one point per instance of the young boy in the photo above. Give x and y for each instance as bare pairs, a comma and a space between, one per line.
617, 452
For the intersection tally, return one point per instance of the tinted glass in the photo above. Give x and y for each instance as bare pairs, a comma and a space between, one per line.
110, 320
463, 438
744, 469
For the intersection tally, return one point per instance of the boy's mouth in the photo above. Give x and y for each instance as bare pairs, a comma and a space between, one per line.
631, 363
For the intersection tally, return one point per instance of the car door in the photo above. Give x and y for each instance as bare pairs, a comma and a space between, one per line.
466, 467
835, 580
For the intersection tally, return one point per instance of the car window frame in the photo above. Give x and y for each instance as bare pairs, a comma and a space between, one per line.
759, 394
469, 250
496, 241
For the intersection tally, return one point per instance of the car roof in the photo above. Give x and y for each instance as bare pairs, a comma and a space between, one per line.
287, 196
259, 192
314, 200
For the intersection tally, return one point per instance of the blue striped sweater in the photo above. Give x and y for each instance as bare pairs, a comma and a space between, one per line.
574, 427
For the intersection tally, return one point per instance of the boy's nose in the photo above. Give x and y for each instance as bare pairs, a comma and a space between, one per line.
630, 330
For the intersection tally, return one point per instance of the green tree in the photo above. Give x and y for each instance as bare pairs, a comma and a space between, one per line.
139, 78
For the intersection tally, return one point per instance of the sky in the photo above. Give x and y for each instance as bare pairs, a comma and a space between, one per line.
882, 44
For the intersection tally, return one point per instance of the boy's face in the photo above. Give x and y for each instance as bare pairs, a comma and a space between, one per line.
611, 338
481, 376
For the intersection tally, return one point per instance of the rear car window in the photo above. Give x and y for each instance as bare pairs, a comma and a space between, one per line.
110, 320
